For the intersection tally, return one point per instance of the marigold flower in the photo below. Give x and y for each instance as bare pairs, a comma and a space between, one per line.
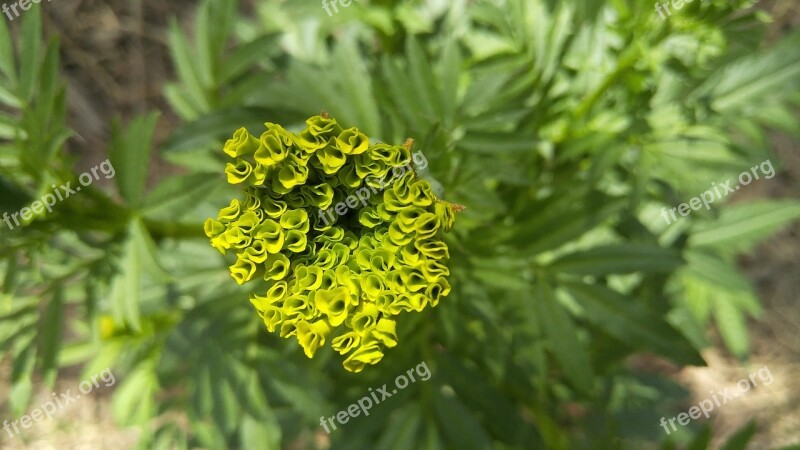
326, 276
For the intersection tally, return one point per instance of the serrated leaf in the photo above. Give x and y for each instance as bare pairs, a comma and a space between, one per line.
702, 440
741, 226
401, 433
732, 326
20, 395
741, 438
618, 258
248, 55
749, 80
450, 76
188, 72
402, 92
562, 337
260, 434
30, 51
475, 390
215, 126
714, 269
178, 195
169, 437
49, 78
422, 78
497, 143
226, 408
458, 426
130, 156
208, 435
138, 257
356, 86
7, 97
50, 338
554, 229
180, 101
621, 317
7, 66
205, 44
126, 288
132, 403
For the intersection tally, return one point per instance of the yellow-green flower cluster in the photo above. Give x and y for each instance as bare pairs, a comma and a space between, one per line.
343, 280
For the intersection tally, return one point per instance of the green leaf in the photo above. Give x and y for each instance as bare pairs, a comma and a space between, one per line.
714, 269
402, 431
18, 322
501, 273
7, 66
208, 435
138, 257
30, 52
422, 79
130, 156
50, 337
702, 440
10, 278
204, 41
200, 133
20, 395
133, 402
403, 94
475, 389
178, 195
458, 425
24, 357
732, 326
619, 258
226, 407
169, 437
742, 226
180, 101
626, 320
223, 18
248, 55
741, 438
486, 45
126, 287
690, 327
356, 86
450, 79
9, 98
497, 143
549, 230
49, 82
260, 434
562, 336
188, 72
749, 80
202, 399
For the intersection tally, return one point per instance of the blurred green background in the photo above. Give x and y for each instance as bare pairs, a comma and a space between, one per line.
578, 317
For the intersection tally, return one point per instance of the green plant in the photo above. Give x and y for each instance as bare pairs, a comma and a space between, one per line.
564, 127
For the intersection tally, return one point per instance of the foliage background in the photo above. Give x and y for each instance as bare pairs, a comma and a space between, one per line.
563, 126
